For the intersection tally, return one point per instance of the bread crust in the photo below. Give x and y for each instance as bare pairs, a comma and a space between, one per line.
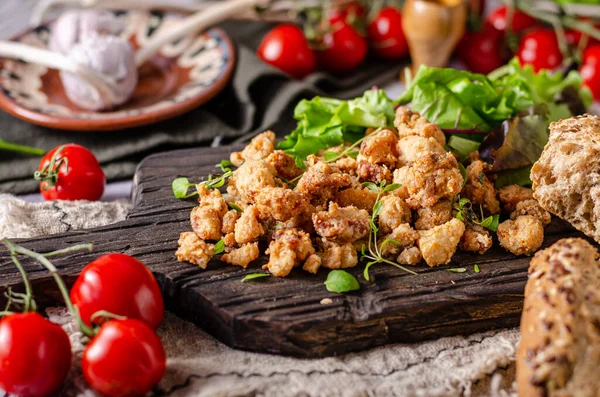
559, 351
566, 178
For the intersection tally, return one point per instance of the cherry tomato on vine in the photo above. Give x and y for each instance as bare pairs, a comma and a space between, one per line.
590, 69
70, 172
344, 49
35, 355
286, 48
121, 285
498, 19
385, 34
540, 49
125, 358
481, 52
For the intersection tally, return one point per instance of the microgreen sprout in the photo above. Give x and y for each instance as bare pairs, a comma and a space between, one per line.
254, 276
466, 213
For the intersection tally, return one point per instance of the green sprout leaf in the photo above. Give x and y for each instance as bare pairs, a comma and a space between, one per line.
180, 188
330, 155
224, 165
457, 270
476, 268
219, 247
371, 186
235, 207
463, 172
392, 187
254, 276
352, 154
340, 281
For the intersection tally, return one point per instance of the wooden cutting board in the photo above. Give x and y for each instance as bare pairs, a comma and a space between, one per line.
285, 315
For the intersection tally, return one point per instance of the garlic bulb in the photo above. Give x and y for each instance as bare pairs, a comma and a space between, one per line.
74, 27
111, 56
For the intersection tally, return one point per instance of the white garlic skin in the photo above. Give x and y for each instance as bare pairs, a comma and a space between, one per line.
74, 27
111, 56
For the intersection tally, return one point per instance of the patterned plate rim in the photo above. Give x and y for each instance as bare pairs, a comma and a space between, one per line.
90, 125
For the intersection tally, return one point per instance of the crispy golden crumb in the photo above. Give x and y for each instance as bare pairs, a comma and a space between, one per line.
280, 204
522, 236
373, 172
284, 165
248, 227
321, 182
410, 256
479, 189
289, 248
194, 250
259, 148
412, 123
475, 239
342, 224
336, 256
229, 220
363, 199
347, 165
533, 208
242, 256
380, 148
229, 240
251, 177
206, 223
513, 194
432, 178
437, 214
312, 264
400, 177
401, 237
394, 212
439, 244
410, 148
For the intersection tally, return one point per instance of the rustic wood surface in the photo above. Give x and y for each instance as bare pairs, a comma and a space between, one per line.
284, 315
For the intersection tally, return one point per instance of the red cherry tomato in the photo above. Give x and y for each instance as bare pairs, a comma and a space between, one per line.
520, 21
286, 48
75, 174
119, 284
125, 358
386, 36
35, 355
540, 49
353, 13
481, 52
590, 69
344, 49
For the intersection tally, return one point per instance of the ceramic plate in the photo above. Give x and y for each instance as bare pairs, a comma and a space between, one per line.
180, 77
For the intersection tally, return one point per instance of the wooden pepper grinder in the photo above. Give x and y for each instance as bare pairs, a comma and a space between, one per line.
433, 29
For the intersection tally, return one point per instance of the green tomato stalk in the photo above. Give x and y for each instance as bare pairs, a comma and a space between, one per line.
13, 147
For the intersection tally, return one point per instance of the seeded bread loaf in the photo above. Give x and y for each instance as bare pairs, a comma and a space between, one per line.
559, 352
566, 178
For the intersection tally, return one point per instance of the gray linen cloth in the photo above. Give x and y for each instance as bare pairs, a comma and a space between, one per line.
198, 365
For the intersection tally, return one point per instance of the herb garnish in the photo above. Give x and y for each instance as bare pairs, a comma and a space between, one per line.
374, 250
466, 213
180, 188
224, 165
476, 268
457, 270
255, 276
341, 281
219, 247
234, 206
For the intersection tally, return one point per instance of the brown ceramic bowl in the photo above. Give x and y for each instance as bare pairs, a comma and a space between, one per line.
182, 76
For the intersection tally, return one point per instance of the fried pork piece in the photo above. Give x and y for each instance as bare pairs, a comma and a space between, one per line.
289, 248
513, 194
248, 227
336, 256
431, 178
347, 165
378, 155
439, 244
312, 264
410, 256
401, 178
250, 178
436, 215
211, 198
394, 212
522, 236
284, 165
206, 218
411, 123
342, 224
479, 189
533, 208
242, 256
410, 148
280, 204
322, 181
475, 239
229, 220
403, 236
194, 250
259, 148
229, 240
362, 198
